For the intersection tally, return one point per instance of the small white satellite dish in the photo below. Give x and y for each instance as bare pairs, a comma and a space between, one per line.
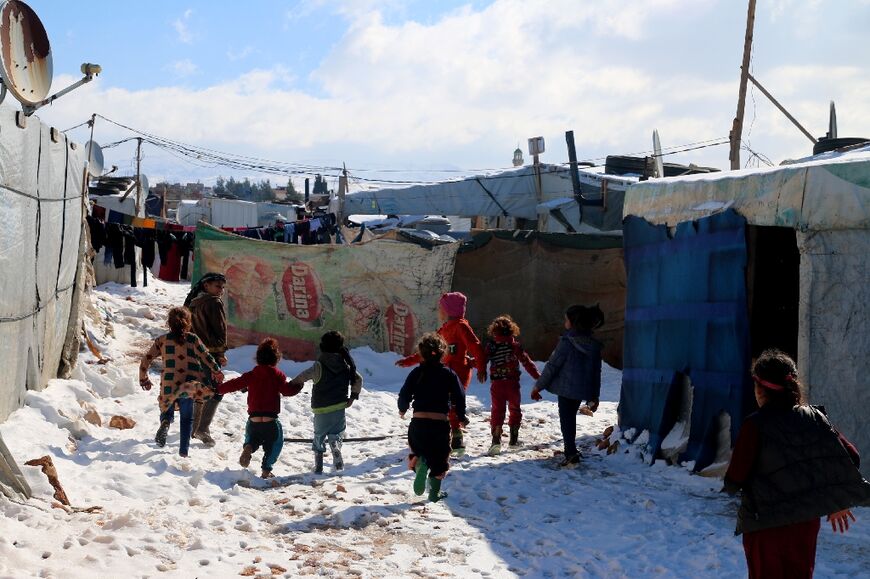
95, 158
657, 154
25, 53
143, 183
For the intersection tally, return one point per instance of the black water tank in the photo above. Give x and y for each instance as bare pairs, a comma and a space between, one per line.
824, 145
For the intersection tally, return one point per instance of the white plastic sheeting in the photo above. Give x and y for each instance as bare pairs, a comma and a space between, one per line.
41, 213
219, 212
834, 334
828, 192
511, 193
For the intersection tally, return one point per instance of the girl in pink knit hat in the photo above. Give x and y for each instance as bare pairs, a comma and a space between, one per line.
463, 354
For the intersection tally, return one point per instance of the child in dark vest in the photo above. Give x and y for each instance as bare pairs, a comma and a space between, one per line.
504, 354
432, 389
462, 355
573, 373
332, 373
792, 467
265, 384
187, 369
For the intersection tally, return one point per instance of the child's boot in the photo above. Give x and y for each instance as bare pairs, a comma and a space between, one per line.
160, 437
318, 463
515, 435
337, 460
421, 469
456, 442
435, 493
495, 447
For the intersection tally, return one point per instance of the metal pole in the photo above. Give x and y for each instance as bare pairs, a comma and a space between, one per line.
782, 109
138, 175
572, 157
737, 128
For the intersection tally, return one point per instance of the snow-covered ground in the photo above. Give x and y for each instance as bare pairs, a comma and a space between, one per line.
511, 515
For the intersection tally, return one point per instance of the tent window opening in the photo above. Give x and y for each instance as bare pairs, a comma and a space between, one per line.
773, 284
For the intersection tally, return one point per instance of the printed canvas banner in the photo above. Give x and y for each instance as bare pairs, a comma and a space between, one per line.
381, 294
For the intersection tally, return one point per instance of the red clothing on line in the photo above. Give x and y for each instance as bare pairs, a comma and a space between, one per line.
171, 270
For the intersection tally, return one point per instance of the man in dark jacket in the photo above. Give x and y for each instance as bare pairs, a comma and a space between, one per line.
209, 322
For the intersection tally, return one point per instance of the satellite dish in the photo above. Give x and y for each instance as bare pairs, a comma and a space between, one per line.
143, 183
657, 154
25, 53
95, 158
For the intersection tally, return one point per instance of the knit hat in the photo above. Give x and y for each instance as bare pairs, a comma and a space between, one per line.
453, 304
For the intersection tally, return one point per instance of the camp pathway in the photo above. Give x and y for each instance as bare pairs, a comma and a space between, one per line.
514, 514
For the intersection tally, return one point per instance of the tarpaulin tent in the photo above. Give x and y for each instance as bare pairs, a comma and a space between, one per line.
41, 174
823, 205
511, 193
535, 276
41, 211
381, 293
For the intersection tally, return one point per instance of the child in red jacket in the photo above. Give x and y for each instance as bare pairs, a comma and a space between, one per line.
504, 354
463, 351
266, 384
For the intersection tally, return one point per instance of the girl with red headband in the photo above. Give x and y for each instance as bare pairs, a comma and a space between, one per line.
792, 467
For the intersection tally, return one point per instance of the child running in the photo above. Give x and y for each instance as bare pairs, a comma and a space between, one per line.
333, 371
504, 354
462, 354
432, 389
573, 373
187, 368
266, 384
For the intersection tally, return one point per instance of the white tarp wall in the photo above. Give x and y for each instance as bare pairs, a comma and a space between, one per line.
41, 212
834, 333
40, 252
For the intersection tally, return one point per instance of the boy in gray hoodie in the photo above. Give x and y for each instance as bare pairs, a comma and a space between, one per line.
573, 373
332, 373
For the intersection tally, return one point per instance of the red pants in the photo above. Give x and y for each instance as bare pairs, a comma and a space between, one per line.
787, 552
505, 392
464, 374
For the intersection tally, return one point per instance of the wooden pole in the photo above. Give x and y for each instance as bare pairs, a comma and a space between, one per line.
737, 128
782, 109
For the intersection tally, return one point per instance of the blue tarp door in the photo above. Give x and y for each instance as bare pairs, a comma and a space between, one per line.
686, 313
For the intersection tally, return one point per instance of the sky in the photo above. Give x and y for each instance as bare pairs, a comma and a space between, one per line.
419, 90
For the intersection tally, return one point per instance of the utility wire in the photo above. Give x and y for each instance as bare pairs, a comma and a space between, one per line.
206, 157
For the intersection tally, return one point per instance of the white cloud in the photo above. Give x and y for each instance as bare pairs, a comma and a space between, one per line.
183, 68
236, 55
465, 89
182, 28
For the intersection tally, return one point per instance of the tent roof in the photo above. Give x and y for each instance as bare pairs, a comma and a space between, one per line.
510, 192
825, 192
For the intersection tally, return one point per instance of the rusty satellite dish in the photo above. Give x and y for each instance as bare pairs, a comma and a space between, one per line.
95, 158
25, 53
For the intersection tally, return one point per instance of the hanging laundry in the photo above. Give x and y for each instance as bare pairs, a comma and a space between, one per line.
99, 212
185, 246
97, 230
